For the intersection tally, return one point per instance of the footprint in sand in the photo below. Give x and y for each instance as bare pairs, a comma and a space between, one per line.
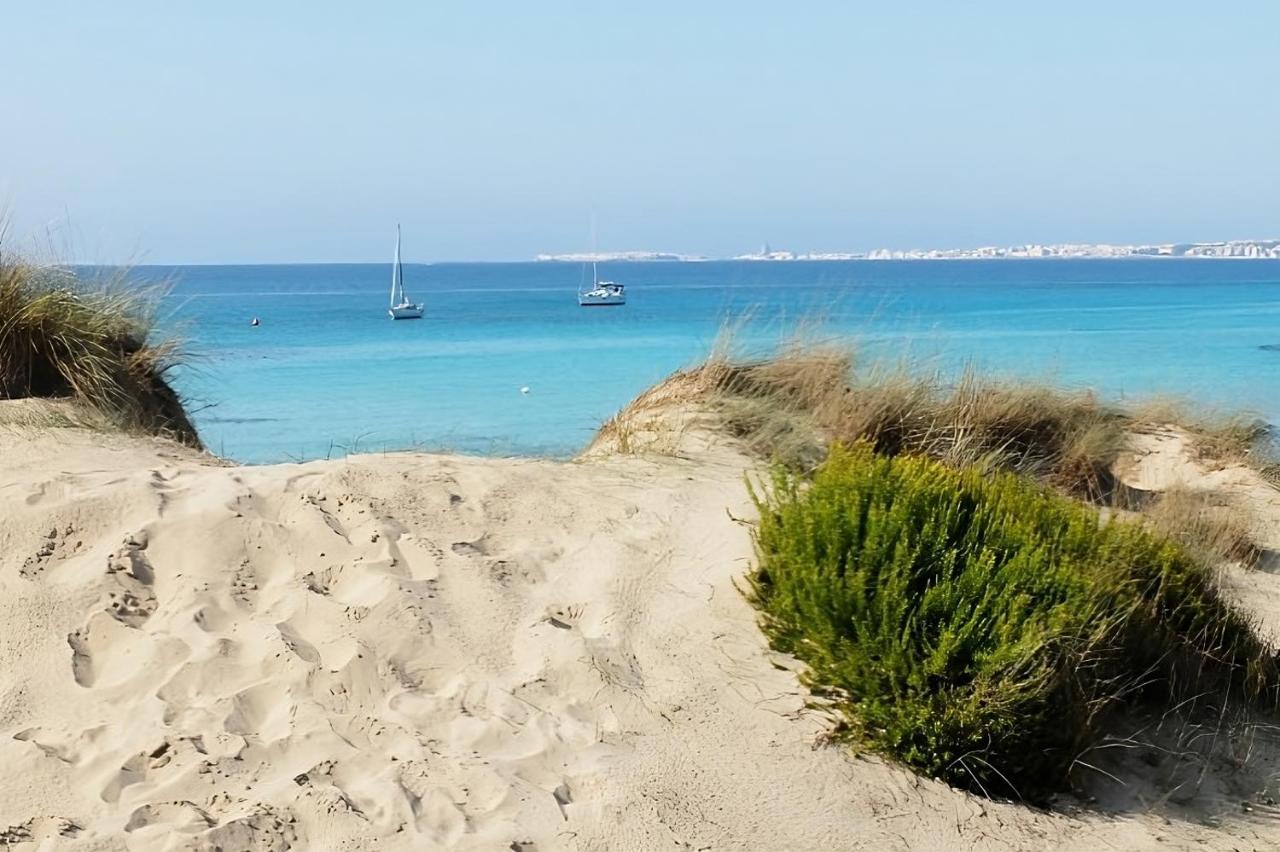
212, 618
563, 798
470, 548
244, 584
264, 831
55, 544
616, 664
63, 747
293, 640
358, 584
132, 601
439, 817
565, 617
320, 582
265, 711
502, 571
174, 816
420, 556
107, 652
316, 501
37, 830
138, 769
81, 657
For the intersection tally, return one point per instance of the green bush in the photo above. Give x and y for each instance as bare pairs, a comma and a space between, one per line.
980, 628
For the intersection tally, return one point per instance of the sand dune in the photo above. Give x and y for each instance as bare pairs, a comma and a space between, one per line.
420, 652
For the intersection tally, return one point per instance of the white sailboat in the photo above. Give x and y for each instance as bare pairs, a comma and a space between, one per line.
602, 293
401, 307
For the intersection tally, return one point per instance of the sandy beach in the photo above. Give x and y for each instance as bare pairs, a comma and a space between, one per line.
912, 482
416, 651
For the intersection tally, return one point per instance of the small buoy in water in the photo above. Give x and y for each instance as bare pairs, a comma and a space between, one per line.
524, 390
255, 321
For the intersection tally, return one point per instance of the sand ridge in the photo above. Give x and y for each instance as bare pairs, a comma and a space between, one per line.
428, 652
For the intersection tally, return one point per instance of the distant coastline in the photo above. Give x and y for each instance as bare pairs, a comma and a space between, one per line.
612, 256
1224, 250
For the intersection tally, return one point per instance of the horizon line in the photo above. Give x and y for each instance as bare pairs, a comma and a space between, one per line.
1018, 251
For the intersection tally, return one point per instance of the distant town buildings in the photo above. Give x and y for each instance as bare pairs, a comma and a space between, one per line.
767, 253
1232, 248
1228, 249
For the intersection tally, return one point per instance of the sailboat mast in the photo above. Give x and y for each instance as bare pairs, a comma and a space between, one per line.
397, 274
595, 276
399, 266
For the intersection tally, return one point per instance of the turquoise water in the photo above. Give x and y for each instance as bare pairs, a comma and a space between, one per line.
327, 372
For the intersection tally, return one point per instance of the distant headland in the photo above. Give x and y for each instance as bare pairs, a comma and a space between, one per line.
600, 257
1225, 249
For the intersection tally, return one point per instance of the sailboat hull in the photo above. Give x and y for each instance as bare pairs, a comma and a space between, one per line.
587, 300
406, 312
604, 294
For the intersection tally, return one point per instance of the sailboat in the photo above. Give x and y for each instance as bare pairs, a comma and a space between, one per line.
602, 293
401, 307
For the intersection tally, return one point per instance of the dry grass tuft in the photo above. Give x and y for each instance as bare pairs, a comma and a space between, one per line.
1218, 439
62, 339
792, 406
656, 421
1209, 529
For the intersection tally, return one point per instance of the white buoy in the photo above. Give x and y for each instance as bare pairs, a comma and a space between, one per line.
525, 390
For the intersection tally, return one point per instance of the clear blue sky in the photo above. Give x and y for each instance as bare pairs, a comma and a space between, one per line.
301, 131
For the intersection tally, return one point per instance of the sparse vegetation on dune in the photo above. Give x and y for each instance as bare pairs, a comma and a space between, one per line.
789, 407
1218, 438
967, 579
1213, 532
981, 628
60, 338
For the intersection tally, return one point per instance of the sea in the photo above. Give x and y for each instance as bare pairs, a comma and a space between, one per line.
506, 363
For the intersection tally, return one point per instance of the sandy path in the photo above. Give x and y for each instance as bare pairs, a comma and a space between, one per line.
420, 652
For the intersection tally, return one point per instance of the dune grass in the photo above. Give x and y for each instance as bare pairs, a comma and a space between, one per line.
60, 338
1212, 531
978, 626
1218, 438
790, 407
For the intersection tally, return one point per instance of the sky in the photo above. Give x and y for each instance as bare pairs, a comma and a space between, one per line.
255, 132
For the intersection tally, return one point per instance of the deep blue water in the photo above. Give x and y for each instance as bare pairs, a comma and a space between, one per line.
327, 371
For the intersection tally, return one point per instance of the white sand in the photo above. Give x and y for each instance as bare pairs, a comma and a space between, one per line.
419, 652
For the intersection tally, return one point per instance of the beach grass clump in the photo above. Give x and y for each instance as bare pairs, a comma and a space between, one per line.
1219, 438
981, 628
60, 338
1210, 529
791, 406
